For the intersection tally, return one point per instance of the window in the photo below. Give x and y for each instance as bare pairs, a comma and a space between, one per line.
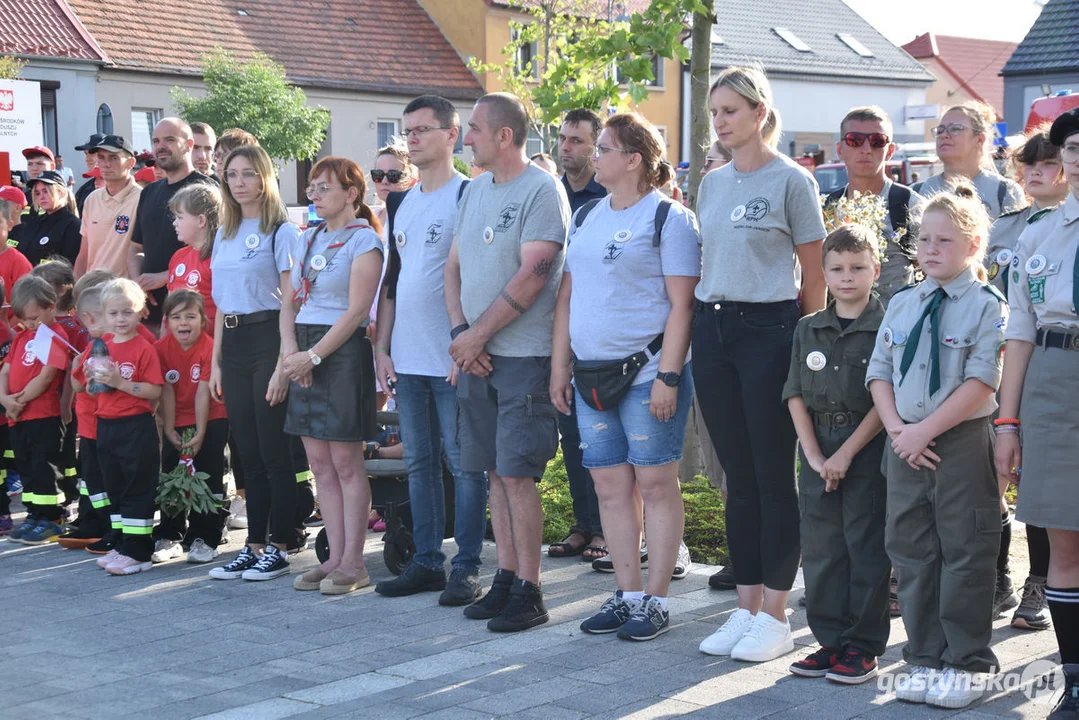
527, 54
48, 111
534, 143
793, 40
387, 130
142, 127
852, 42
104, 120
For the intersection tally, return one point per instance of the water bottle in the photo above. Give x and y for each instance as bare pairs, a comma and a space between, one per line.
99, 356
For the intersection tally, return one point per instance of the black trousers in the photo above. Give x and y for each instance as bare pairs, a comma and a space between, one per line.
248, 358
99, 517
37, 457
741, 357
130, 461
69, 468
210, 460
5, 466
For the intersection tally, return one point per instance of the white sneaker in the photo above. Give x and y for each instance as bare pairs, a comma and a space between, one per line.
200, 552
954, 689
723, 640
124, 565
272, 564
913, 686
764, 640
105, 560
238, 513
165, 550
683, 563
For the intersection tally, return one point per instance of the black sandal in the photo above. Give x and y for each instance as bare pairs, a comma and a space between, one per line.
568, 549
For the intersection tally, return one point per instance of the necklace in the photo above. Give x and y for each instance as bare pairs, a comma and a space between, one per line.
628, 205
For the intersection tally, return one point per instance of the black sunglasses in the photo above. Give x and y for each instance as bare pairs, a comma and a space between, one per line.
857, 139
394, 176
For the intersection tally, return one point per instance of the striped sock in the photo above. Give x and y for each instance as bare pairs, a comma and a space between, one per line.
1064, 607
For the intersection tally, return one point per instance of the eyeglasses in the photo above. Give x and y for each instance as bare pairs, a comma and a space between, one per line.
394, 176
950, 129
320, 190
604, 149
1070, 153
422, 130
232, 176
857, 139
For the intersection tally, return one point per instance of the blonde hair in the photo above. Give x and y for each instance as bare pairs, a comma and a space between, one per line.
398, 149
89, 300
753, 86
126, 289
967, 212
200, 199
92, 279
982, 118
62, 198
272, 211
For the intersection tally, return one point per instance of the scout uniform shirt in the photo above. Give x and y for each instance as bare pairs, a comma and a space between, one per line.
972, 318
828, 363
1043, 275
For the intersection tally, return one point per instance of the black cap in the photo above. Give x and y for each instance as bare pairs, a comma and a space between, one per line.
115, 143
48, 176
90, 144
1064, 126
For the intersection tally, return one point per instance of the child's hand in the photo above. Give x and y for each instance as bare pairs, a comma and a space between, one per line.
174, 437
65, 415
195, 445
912, 445
109, 374
835, 469
1008, 456
816, 461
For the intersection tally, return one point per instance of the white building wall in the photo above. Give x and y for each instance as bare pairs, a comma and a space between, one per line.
75, 107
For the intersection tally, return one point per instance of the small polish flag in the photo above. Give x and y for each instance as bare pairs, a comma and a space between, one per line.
57, 355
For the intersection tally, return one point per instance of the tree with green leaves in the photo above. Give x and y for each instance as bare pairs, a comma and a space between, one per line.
257, 97
11, 67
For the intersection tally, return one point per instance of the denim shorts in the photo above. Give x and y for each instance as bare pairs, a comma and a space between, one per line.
630, 433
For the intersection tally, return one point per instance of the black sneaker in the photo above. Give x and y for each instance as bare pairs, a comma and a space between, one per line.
612, 615
300, 541
235, 569
272, 564
315, 520
855, 668
524, 610
1067, 708
1005, 597
723, 580
496, 598
816, 664
415, 579
1033, 611
605, 564
106, 544
462, 588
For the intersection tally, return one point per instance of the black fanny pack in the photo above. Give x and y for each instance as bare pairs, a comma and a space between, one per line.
604, 386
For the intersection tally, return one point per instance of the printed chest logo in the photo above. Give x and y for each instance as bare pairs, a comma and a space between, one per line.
196, 372
193, 278
612, 252
507, 217
127, 370
757, 209
28, 355
122, 225
434, 232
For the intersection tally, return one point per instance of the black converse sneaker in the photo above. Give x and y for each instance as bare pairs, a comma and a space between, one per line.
272, 564
235, 569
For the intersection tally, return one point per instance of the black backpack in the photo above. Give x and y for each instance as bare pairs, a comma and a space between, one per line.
393, 269
898, 209
662, 210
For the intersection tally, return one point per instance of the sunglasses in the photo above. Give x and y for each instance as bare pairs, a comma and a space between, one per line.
394, 176
857, 139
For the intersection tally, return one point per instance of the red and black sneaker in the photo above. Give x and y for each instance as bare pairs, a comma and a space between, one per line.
818, 664
854, 668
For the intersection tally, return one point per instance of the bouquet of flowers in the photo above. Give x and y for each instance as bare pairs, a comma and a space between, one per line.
183, 489
868, 209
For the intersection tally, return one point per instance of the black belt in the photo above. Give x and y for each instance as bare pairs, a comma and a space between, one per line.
838, 419
741, 306
1062, 341
235, 321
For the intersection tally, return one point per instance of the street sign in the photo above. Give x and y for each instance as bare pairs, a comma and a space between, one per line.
20, 119
921, 112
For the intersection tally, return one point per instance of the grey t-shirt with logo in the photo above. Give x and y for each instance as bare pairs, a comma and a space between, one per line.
247, 268
493, 221
328, 297
751, 224
988, 184
423, 229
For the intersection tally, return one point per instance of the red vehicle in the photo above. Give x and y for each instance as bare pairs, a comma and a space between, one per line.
1047, 109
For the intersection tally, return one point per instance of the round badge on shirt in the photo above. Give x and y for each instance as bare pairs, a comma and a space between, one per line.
899, 337
172, 377
318, 262
1035, 265
1004, 257
887, 337
622, 236
994, 268
816, 361
488, 235
399, 237
738, 213
181, 269
44, 240
252, 241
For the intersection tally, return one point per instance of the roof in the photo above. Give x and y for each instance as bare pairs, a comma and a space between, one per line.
389, 46
973, 63
45, 28
1050, 43
748, 37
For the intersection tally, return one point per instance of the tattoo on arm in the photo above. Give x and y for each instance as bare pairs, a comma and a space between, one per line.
513, 303
136, 389
541, 268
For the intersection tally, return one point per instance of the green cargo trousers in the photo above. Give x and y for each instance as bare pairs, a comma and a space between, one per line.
943, 535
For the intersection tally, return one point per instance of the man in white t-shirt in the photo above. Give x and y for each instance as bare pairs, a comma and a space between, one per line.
412, 358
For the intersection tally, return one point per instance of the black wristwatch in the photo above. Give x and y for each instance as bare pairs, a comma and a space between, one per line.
458, 330
670, 379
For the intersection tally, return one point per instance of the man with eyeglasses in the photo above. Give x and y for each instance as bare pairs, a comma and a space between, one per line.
865, 146
109, 212
412, 359
153, 239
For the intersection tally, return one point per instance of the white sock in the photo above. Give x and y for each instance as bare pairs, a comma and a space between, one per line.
662, 602
632, 597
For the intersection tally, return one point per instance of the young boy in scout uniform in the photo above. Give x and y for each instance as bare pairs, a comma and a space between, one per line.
840, 485
933, 376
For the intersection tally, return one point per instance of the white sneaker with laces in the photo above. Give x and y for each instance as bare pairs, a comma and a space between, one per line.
238, 513
105, 560
764, 640
723, 640
200, 552
165, 550
954, 689
272, 564
683, 563
124, 565
913, 686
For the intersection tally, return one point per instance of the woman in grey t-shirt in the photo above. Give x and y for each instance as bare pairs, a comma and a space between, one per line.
762, 228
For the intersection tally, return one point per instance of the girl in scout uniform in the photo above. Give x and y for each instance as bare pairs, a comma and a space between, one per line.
1039, 166
1038, 422
933, 375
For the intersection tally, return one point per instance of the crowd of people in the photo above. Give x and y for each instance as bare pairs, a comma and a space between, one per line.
518, 309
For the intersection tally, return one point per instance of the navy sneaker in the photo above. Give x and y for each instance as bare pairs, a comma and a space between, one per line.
29, 523
611, 616
46, 531
14, 484
649, 620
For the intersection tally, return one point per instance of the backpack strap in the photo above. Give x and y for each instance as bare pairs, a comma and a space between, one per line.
662, 210
273, 240
835, 196
393, 268
582, 213
1002, 192
461, 189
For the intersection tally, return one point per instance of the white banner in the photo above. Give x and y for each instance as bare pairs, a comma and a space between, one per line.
20, 118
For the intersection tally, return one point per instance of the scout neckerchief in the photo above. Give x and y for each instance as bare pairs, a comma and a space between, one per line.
932, 311
309, 272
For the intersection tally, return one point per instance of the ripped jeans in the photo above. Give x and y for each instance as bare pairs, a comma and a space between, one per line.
630, 433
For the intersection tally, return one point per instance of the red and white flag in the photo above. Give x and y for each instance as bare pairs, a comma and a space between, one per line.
51, 348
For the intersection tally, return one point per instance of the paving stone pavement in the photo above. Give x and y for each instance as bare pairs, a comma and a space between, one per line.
174, 644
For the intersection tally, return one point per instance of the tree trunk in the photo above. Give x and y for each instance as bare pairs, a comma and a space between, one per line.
700, 76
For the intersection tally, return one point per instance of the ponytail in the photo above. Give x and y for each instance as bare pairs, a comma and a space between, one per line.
365, 212
773, 128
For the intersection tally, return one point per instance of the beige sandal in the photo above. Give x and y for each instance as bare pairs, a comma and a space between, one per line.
310, 580
341, 583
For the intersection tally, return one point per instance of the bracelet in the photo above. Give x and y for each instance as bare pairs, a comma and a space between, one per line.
1003, 429
458, 330
1006, 421
383, 348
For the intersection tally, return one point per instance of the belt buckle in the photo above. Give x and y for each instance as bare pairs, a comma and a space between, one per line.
232, 322
1074, 344
839, 419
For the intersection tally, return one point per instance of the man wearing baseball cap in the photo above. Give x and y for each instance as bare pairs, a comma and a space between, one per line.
89, 150
38, 159
108, 216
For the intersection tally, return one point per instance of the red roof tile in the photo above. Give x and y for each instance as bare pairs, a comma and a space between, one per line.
45, 28
974, 63
372, 45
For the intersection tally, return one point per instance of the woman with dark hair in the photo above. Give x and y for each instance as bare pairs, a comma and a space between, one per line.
57, 230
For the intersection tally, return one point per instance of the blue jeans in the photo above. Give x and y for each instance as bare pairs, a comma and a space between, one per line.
428, 414
581, 488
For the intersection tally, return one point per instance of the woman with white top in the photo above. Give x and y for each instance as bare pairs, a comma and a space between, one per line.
631, 266
762, 229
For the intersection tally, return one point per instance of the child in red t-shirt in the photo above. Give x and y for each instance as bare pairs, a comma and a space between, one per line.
127, 442
30, 393
196, 209
186, 354
13, 264
6, 489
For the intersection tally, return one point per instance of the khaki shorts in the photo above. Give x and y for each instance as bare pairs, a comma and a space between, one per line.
506, 422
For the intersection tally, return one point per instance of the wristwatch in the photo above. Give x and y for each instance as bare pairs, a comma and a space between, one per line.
315, 359
670, 379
